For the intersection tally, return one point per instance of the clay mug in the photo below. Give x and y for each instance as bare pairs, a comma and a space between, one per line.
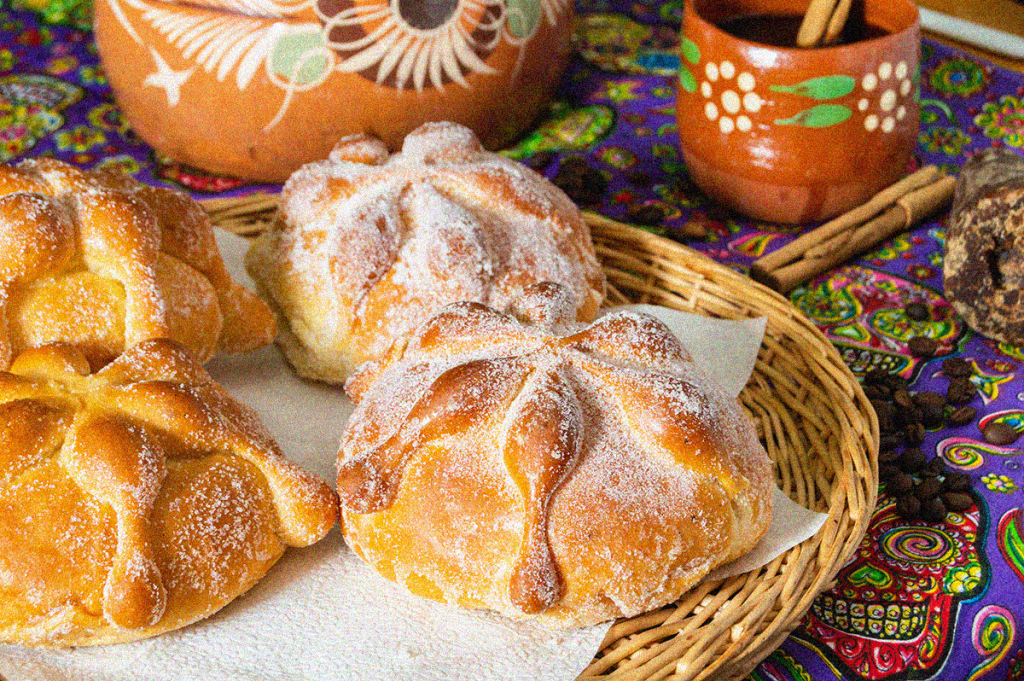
257, 88
794, 135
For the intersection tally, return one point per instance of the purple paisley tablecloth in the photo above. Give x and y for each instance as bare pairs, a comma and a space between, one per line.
921, 600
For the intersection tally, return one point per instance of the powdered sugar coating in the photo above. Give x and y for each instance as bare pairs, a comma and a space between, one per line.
162, 497
577, 474
364, 250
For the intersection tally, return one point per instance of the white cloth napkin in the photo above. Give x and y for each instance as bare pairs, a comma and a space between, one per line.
322, 614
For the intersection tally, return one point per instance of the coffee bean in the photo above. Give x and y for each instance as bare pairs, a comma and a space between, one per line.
956, 482
888, 455
1000, 433
583, 184
909, 416
908, 507
896, 382
922, 346
957, 501
960, 391
927, 399
961, 416
911, 460
935, 467
899, 484
888, 443
953, 367
932, 416
919, 312
887, 471
540, 160
927, 488
648, 216
958, 384
902, 399
877, 392
876, 376
913, 434
886, 414
933, 510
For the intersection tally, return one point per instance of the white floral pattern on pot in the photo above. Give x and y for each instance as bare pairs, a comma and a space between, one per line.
398, 44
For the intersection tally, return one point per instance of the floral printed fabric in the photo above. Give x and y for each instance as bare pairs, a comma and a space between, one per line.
919, 600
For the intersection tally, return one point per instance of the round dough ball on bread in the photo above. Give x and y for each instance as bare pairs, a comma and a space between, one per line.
137, 499
529, 464
367, 245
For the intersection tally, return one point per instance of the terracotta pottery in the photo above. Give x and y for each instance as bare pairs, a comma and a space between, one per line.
256, 88
795, 135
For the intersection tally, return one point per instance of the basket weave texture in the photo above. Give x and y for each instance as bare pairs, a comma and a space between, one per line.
812, 417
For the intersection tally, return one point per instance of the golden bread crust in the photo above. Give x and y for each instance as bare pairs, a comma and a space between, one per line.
535, 466
101, 261
367, 245
137, 499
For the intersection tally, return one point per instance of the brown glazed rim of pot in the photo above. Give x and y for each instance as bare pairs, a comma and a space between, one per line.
898, 18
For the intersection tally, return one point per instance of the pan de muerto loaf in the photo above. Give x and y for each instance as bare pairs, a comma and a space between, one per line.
367, 245
529, 464
137, 499
101, 261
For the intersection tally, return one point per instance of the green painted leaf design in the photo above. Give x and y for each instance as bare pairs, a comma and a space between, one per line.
824, 87
523, 17
299, 57
821, 116
689, 50
686, 79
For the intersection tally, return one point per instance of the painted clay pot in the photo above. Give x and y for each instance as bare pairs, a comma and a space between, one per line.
256, 88
796, 135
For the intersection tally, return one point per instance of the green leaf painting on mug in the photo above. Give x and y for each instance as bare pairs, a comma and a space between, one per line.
821, 116
824, 87
686, 79
691, 53
689, 50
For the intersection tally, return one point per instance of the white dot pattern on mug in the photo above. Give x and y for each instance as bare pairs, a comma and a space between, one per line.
730, 107
885, 88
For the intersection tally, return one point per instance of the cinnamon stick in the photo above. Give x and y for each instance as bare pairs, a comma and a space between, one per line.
816, 21
876, 204
836, 22
833, 249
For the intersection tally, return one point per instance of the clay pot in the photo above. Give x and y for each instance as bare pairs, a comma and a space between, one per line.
797, 135
258, 96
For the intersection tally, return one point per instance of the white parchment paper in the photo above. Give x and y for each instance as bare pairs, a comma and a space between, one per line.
322, 614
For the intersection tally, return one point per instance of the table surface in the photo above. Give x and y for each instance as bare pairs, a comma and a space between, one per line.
1005, 15
921, 600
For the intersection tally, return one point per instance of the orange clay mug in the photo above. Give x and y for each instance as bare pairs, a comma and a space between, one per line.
796, 135
257, 88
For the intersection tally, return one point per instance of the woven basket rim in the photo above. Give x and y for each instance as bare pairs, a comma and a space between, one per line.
841, 527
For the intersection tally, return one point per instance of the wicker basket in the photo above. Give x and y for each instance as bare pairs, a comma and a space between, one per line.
813, 418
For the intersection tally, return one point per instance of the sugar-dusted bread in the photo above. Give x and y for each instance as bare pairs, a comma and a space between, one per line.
137, 499
367, 245
101, 261
542, 468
